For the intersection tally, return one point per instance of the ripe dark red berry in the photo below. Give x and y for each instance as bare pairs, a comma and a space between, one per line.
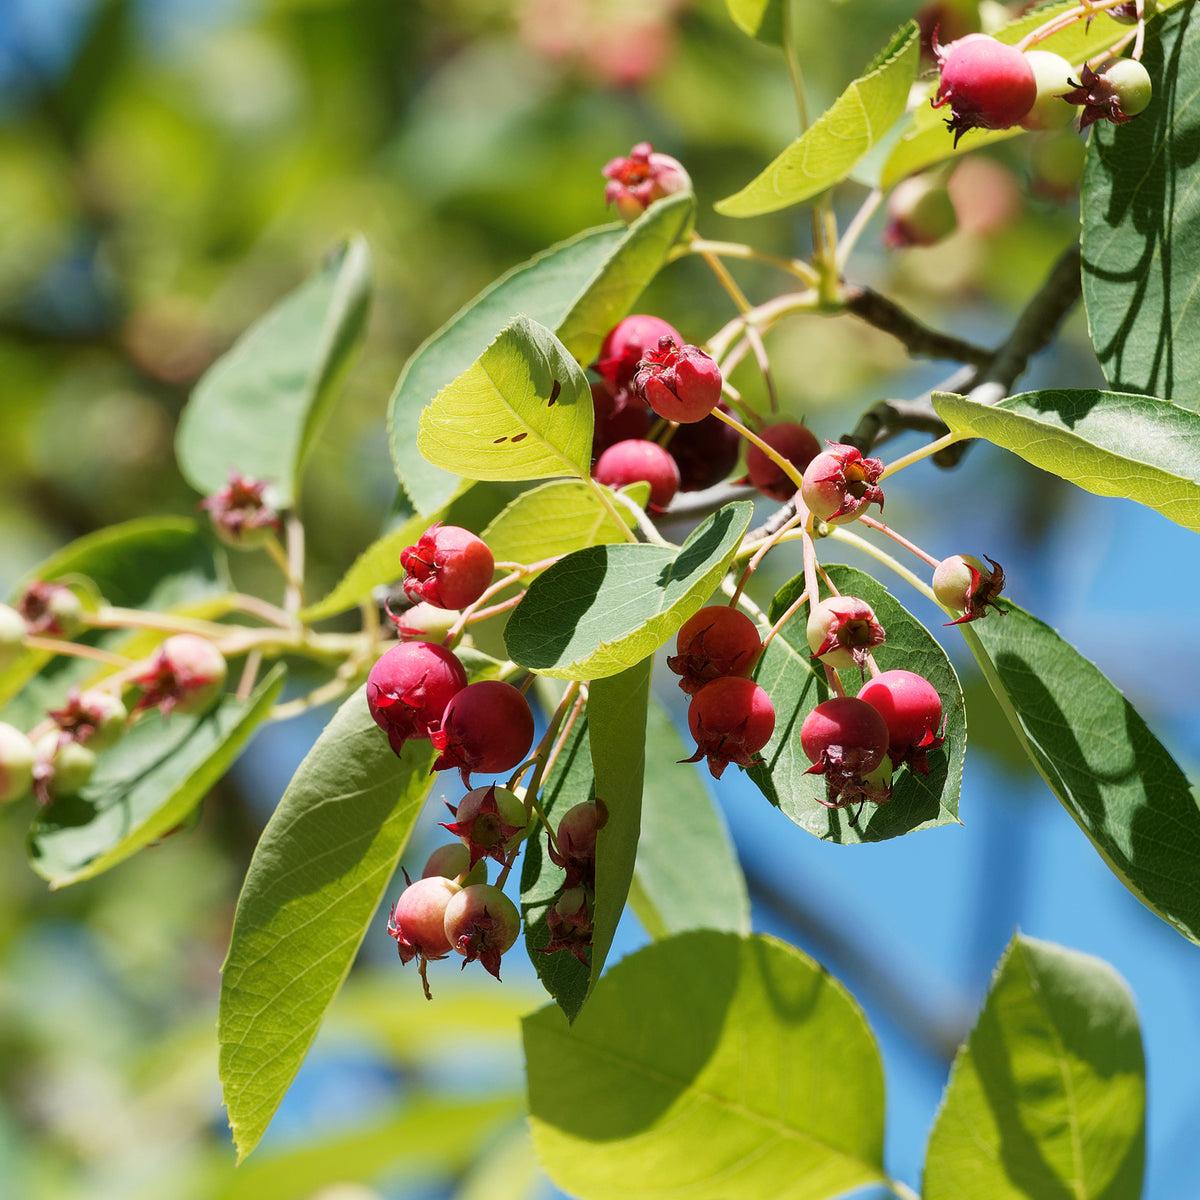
449, 567
633, 461
716, 642
912, 709
791, 440
732, 719
845, 739
839, 484
481, 922
681, 383
705, 451
988, 85
617, 418
486, 727
409, 687
626, 345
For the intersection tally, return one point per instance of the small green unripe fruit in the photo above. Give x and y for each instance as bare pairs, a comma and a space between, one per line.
1131, 83
66, 610
17, 756
12, 634
71, 765
109, 716
1053, 75
453, 862
920, 213
953, 581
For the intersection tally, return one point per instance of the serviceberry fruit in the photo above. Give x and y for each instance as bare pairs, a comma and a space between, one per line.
185, 676
418, 922
574, 845
963, 584
17, 758
50, 608
633, 461
919, 213
839, 484
448, 567
987, 84
842, 631
241, 514
635, 182
625, 346
95, 718
409, 687
454, 862
491, 822
12, 634
1053, 75
423, 622
569, 920
482, 923
845, 739
617, 418
1118, 92
486, 727
717, 641
681, 383
912, 708
61, 767
732, 719
705, 451
791, 440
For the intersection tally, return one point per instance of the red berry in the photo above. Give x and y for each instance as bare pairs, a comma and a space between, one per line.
842, 630
987, 84
839, 484
409, 687
417, 919
491, 822
716, 642
626, 345
793, 441
912, 708
637, 181
845, 739
633, 461
705, 451
185, 676
616, 418
681, 383
732, 719
449, 567
481, 922
486, 727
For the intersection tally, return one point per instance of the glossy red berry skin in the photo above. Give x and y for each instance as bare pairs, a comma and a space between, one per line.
716, 642
988, 85
634, 461
705, 452
481, 922
681, 383
409, 687
449, 567
617, 418
912, 709
793, 441
846, 740
626, 345
487, 727
732, 719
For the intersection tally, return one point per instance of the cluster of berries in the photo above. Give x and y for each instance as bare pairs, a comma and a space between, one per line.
58, 758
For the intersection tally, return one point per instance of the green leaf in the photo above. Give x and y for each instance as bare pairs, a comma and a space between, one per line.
687, 874
144, 786
258, 409
1141, 226
1096, 755
1048, 1097
472, 508
785, 671
589, 281
828, 150
772, 1086
617, 736
761, 19
431, 1136
315, 882
522, 411
601, 610
555, 518
1109, 443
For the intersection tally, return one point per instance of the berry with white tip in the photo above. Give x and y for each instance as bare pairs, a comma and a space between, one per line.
842, 631
185, 676
963, 584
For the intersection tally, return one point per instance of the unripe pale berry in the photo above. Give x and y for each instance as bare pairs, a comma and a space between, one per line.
633, 461
1053, 75
95, 718
242, 514
185, 676
63, 767
17, 757
491, 822
12, 634
453, 862
732, 719
486, 727
790, 440
842, 630
987, 84
574, 845
963, 584
409, 687
417, 919
681, 383
919, 213
839, 484
1118, 92
717, 641
449, 567
912, 708
481, 923
845, 739
51, 609
424, 622
569, 920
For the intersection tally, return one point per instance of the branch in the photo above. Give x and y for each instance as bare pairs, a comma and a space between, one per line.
921, 341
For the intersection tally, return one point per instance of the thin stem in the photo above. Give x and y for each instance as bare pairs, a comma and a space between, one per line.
911, 547
793, 266
77, 650
858, 223
801, 600
901, 1189
763, 317
835, 684
1065, 21
760, 551
602, 493
294, 532
322, 695
841, 534
135, 618
924, 452
788, 468
791, 23
1140, 39
249, 674
270, 613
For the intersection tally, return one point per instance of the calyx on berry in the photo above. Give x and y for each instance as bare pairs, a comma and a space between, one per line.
919, 213
241, 513
185, 676
717, 641
50, 608
574, 845
491, 822
623, 349
409, 687
486, 727
449, 567
17, 757
1118, 92
846, 740
481, 922
842, 631
94, 717
636, 181
681, 383
912, 708
962, 583
732, 719
839, 484
987, 84
790, 440
569, 920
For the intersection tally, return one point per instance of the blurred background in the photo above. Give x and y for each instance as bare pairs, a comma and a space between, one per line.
170, 168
